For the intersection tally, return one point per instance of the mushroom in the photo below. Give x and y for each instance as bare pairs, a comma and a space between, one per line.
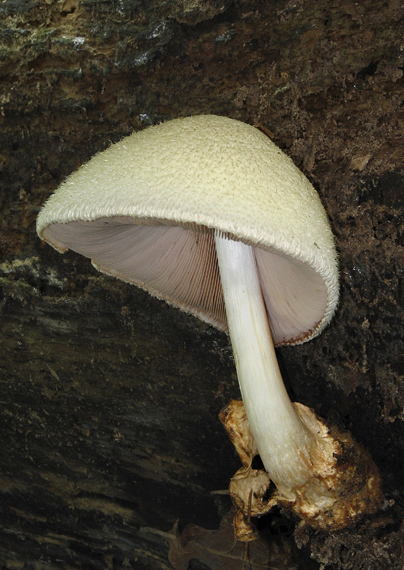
208, 214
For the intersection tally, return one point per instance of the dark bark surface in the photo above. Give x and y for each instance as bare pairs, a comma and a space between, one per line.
109, 398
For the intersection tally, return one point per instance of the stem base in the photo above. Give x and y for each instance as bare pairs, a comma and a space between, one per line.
344, 483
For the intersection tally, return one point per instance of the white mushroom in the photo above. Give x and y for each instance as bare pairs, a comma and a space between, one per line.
208, 214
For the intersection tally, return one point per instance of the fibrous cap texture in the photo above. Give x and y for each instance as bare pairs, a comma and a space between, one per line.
146, 209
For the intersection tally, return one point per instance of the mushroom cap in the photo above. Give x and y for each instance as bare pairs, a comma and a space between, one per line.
146, 210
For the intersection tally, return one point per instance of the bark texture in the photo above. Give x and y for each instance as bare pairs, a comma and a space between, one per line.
110, 398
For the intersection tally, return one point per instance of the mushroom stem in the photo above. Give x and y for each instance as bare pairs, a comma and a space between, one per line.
283, 441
